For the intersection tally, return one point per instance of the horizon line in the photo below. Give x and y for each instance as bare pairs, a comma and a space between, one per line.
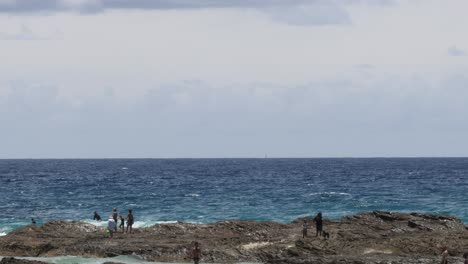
199, 158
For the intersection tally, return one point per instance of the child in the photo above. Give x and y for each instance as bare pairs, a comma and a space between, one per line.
111, 226
304, 229
122, 223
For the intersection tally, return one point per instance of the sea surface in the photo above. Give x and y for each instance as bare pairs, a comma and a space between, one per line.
209, 190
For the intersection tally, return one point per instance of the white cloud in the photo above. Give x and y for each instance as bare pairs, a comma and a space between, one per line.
296, 12
319, 13
387, 116
26, 33
455, 51
378, 86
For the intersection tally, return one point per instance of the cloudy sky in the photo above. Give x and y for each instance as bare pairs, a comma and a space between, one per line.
233, 78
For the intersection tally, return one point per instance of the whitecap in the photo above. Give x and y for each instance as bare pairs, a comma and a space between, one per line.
3, 233
140, 224
192, 195
329, 193
96, 223
124, 168
137, 224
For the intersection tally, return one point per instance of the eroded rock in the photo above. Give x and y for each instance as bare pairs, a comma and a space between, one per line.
372, 237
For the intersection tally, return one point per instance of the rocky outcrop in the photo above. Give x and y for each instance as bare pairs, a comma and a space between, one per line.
373, 237
10, 260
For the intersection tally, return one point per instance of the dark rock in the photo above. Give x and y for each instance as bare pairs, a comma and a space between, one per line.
8, 260
375, 237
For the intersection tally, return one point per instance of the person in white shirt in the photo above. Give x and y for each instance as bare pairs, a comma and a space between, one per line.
111, 226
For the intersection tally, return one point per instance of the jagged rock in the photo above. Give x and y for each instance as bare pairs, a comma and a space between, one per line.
8, 260
374, 237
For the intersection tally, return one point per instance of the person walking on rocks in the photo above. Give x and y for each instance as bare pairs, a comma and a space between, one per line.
445, 256
130, 221
318, 224
465, 256
115, 214
196, 253
304, 229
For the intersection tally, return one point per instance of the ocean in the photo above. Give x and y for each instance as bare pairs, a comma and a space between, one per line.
209, 190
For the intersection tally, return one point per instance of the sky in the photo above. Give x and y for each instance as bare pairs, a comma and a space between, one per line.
233, 78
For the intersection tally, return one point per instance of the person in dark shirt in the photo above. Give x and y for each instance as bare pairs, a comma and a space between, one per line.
96, 217
318, 224
196, 253
130, 221
115, 214
122, 223
33, 221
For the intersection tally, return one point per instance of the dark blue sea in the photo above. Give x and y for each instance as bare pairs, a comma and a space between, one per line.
208, 190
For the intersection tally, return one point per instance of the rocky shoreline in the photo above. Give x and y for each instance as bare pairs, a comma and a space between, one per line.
372, 237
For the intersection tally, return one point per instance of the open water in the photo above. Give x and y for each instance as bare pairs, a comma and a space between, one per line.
208, 190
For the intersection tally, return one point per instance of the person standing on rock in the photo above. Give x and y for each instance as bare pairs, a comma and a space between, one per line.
130, 221
318, 224
444, 256
111, 226
122, 223
304, 229
115, 214
196, 253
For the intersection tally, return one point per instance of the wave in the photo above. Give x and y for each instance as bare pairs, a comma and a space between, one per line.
137, 224
5, 230
330, 193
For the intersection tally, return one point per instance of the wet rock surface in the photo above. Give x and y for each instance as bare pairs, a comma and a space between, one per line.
373, 237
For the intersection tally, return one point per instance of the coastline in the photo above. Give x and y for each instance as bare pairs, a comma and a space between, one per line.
370, 237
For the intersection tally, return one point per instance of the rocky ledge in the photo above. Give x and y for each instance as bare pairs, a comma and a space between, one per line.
372, 237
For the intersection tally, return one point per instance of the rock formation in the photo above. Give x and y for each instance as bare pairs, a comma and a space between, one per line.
373, 237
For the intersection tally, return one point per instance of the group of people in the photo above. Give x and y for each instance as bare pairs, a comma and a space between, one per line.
113, 221
196, 251
318, 226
